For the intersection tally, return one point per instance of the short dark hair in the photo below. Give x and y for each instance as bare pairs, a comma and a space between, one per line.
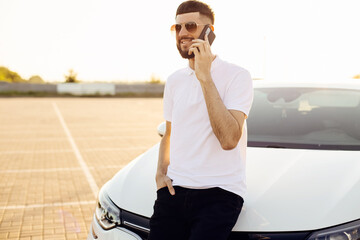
196, 6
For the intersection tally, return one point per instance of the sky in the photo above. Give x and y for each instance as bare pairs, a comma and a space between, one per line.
116, 40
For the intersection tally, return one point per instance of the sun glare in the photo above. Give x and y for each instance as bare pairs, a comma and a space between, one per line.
130, 41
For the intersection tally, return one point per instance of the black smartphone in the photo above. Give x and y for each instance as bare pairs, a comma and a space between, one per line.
207, 31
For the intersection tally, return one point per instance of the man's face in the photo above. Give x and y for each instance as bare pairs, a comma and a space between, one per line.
184, 37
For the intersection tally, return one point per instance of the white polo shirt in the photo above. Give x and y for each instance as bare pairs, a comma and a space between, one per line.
196, 157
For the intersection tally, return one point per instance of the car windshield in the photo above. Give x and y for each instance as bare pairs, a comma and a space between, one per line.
305, 118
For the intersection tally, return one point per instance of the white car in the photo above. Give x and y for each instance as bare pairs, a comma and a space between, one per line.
303, 170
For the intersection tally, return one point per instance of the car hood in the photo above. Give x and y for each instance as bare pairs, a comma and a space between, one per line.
288, 189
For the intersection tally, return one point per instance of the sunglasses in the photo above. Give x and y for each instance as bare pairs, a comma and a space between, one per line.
191, 27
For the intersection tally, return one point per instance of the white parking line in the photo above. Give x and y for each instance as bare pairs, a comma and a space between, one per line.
22, 129
58, 169
35, 151
70, 150
57, 139
117, 137
115, 149
39, 170
89, 177
47, 205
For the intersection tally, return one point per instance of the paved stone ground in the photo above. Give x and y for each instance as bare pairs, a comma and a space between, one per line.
56, 153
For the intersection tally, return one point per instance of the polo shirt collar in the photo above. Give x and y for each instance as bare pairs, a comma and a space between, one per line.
214, 64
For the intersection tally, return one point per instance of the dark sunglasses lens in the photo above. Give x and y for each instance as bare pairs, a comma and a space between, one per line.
177, 27
191, 26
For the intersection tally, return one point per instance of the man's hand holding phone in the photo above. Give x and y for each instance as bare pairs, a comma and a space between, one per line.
203, 58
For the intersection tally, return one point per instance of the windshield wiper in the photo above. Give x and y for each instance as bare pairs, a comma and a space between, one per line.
275, 146
303, 146
267, 144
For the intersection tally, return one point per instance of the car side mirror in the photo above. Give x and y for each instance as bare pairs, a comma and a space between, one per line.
161, 129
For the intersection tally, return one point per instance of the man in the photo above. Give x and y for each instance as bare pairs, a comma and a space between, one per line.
201, 167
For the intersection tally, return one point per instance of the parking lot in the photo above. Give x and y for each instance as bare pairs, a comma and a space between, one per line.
56, 153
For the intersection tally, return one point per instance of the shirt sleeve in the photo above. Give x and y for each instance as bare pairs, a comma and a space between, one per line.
167, 102
239, 93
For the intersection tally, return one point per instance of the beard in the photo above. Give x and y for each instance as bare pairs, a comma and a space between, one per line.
184, 53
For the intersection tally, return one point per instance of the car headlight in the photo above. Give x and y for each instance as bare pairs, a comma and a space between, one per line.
349, 231
107, 213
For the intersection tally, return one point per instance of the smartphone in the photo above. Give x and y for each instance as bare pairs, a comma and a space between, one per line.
207, 31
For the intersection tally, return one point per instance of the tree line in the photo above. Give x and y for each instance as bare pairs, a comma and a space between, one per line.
9, 76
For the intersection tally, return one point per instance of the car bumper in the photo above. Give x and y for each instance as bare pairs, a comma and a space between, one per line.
119, 233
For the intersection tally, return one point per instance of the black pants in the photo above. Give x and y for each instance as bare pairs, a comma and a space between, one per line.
194, 214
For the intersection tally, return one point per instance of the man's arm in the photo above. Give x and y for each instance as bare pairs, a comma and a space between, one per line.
162, 180
227, 124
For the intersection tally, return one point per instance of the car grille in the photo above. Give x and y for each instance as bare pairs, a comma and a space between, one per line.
140, 225
269, 236
136, 223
